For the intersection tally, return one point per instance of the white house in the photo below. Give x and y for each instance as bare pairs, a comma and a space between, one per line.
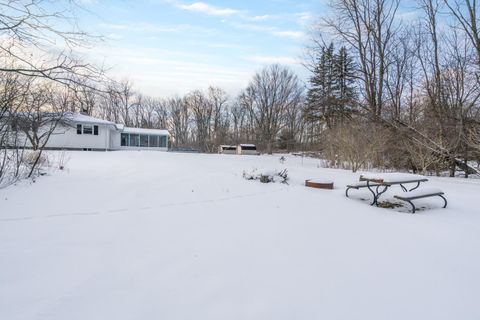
83, 132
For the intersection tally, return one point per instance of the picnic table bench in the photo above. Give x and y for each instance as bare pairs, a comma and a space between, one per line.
359, 185
419, 194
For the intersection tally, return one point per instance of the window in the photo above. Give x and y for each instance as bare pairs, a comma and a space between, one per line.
87, 129
79, 129
143, 140
124, 140
134, 140
153, 142
163, 142
95, 130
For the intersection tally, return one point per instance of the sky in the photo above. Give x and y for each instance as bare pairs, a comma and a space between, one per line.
170, 47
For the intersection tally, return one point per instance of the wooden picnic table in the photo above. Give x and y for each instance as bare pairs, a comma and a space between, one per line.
378, 183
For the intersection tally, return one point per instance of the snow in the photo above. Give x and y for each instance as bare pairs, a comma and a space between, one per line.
154, 235
320, 181
83, 118
145, 131
362, 184
420, 192
393, 177
272, 175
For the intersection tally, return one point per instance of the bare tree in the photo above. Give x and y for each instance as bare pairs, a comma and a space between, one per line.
35, 28
421, 157
450, 84
292, 131
466, 13
202, 111
368, 27
269, 95
239, 118
153, 113
220, 118
474, 137
401, 74
121, 95
110, 106
12, 95
85, 97
35, 118
39, 117
179, 121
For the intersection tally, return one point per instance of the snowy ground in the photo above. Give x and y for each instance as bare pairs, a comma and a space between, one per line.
150, 235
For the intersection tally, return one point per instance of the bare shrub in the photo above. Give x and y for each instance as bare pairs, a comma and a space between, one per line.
422, 158
355, 144
267, 176
31, 157
63, 159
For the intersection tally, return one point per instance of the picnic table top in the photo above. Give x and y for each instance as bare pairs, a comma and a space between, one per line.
392, 177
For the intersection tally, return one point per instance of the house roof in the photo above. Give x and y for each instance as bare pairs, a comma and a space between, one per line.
83, 118
146, 131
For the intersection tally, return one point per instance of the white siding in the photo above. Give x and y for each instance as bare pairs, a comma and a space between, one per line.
67, 137
115, 140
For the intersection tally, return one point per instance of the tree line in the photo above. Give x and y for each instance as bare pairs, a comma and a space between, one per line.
267, 109
412, 98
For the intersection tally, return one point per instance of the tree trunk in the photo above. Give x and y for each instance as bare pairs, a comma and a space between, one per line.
35, 163
269, 147
467, 171
452, 167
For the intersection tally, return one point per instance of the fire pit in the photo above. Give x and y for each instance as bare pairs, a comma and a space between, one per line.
319, 184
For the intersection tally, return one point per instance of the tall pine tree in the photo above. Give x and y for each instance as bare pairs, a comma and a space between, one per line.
344, 74
331, 94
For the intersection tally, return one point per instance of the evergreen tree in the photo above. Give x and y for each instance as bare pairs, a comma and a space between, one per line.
345, 80
331, 92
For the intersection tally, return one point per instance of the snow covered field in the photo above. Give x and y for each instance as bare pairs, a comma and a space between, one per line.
150, 235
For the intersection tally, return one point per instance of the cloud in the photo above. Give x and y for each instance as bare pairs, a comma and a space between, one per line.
165, 72
225, 12
273, 59
88, 2
242, 19
260, 18
289, 34
305, 18
409, 16
114, 36
145, 27
207, 9
270, 30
